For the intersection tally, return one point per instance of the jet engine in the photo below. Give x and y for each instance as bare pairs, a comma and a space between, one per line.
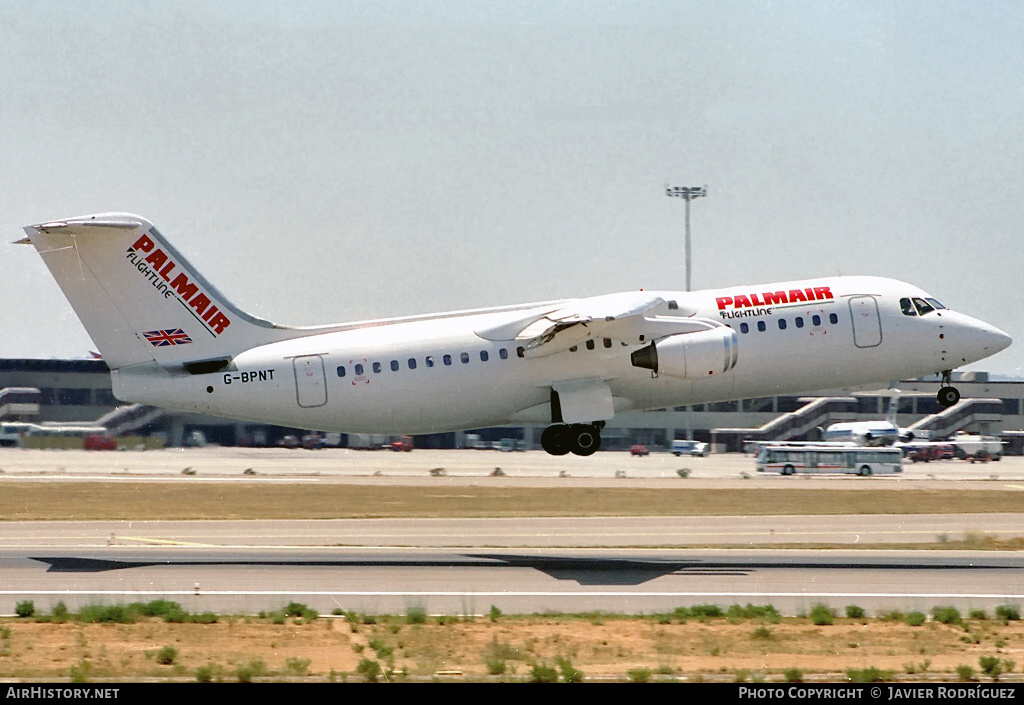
691, 355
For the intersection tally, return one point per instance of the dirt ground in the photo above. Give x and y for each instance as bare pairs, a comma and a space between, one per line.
601, 646
151, 501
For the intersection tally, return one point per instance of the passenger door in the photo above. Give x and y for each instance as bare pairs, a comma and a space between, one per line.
867, 326
310, 380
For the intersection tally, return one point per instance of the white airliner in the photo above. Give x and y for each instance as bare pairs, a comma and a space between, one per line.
172, 340
871, 433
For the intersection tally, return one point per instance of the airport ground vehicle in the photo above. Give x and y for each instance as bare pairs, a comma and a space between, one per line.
861, 460
639, 450
56, 435
402, 443
367, 441
312, 441
689, 448
288, 441
925, 452
968, 446
12, 434
97, 441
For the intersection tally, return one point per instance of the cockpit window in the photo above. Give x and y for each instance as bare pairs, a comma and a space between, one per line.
908, 307
923, 306
935, 304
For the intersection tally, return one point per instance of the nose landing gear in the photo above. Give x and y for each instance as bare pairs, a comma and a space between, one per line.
948, 395
579, 439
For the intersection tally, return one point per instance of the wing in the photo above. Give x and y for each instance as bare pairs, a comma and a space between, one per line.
620, 317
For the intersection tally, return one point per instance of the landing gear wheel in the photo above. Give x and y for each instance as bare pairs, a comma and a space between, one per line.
556, 440
948, 396
586, 439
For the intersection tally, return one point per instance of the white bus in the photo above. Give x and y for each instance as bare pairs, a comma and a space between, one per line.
47, 435
829, 459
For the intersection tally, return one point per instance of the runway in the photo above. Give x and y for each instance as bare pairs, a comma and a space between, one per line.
245, 567
537, 532
516, 581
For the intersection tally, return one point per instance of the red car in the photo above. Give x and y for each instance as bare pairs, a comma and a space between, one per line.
403, 444
639, 450
99, 442
925, 452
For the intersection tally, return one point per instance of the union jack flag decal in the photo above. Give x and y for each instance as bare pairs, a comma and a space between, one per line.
163, 338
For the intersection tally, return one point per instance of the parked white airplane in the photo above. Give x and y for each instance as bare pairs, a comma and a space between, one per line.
871, 433
172, 340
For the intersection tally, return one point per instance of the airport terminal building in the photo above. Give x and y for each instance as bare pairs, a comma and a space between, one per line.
79, 392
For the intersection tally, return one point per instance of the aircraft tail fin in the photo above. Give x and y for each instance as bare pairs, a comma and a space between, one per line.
139, 299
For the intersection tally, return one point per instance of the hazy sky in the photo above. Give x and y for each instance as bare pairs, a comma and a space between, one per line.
330, 161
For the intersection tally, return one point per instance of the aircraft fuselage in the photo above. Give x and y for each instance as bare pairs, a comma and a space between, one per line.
171, 339
440, 375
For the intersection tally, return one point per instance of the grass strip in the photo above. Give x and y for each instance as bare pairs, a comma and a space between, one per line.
98, 501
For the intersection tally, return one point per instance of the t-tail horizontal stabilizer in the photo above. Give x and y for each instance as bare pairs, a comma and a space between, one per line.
140, 300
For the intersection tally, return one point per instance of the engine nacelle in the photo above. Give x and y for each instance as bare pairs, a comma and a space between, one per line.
691, 355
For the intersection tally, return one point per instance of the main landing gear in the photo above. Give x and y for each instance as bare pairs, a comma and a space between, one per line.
579, 439
948, 395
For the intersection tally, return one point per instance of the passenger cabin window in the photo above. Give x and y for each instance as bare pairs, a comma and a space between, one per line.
341, 370
782, 324
799, 321
520, 351
503, 354
429, 360
607, 342
744, 328
376, 368
816, 320
358, 370
394, 365
761, 326
464, 357
833, 318
591, 344
483, 356
447, 359
412, 363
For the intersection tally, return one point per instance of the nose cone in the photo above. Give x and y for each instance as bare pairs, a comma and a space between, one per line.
989, 339
973, 340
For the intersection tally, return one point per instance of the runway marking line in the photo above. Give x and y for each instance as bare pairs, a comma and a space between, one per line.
164, 542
